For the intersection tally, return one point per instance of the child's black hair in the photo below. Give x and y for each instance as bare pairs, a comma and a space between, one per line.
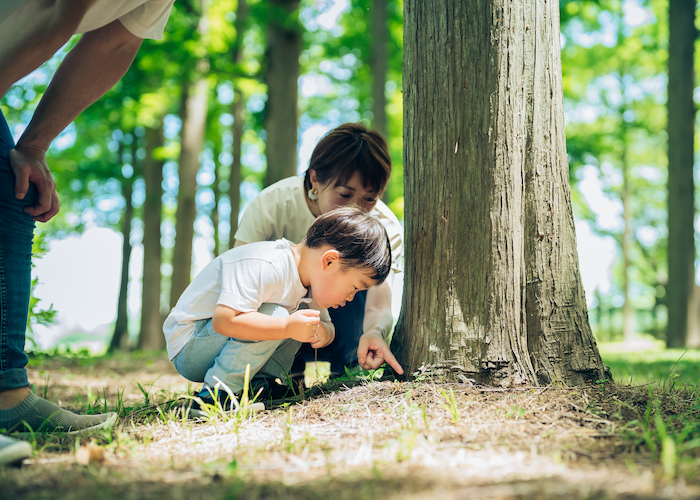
359, 238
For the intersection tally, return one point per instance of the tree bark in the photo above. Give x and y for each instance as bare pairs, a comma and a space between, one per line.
681, 202
693, 340
193, 123
380, 38
120, 337
235, 176
628, 319
492, 288
281, 114
194, 120
216, 190
151, 329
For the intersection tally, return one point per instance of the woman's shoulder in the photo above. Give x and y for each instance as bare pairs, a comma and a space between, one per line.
288, 186
382, 211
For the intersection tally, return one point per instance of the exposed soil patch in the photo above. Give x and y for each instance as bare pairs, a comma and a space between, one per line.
360, 439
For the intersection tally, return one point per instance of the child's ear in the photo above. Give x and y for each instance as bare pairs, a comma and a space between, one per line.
329, 258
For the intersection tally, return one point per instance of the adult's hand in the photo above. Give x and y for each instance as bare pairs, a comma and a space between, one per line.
373, 352
30, 165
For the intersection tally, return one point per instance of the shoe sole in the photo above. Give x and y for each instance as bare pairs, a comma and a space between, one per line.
15, 453
252, 408
106, 425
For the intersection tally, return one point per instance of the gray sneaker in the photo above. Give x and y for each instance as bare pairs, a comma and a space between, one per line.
13, 451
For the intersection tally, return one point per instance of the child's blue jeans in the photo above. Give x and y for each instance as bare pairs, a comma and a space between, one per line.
16, 234
209, 356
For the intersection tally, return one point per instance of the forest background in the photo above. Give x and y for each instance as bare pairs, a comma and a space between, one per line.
235, 86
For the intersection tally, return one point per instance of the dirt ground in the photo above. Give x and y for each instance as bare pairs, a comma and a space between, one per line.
357, 440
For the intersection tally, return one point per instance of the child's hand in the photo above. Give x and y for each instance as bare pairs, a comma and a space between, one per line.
304, 325
326, 335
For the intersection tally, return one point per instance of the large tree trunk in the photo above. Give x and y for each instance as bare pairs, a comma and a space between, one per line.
681, 203
492, 287
234, 180
151, 330
380, 38
281, 114
192, 134
120, 337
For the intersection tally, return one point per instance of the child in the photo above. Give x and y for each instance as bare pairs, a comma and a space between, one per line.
256, 304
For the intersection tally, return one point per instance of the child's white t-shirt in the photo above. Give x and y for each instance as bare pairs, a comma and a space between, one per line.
242, 278
143, 18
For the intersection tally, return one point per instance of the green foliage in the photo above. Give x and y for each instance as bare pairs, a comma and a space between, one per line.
339, 62
614, 80
37, 315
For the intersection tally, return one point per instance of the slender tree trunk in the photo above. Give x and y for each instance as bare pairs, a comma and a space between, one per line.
281, 114
628, 333
681, 202
151, 329
235, 176
693, 340
217, 198
380, 38
492, 288
194, 122
120, 338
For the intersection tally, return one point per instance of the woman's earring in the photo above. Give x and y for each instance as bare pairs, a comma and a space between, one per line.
312, 194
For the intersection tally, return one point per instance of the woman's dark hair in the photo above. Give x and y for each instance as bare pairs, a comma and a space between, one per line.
347, 149
359, 238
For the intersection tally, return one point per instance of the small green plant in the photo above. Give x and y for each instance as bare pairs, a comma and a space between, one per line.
145, 394
672, 442
407, 442
287, 439
450, 404
515, 412
215, 412
424, 414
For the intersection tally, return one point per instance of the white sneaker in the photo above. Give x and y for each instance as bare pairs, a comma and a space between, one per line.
13, 450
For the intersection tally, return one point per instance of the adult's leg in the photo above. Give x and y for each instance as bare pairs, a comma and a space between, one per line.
19, 408
16, 234
342, 352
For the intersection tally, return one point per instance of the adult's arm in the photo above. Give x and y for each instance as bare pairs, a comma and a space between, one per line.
95, 64
378, 316
372, 349
33, 32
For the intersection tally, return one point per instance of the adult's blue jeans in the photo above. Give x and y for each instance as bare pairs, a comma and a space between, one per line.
342, 352
16, 234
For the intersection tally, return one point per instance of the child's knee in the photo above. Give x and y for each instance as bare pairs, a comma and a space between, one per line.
273, 310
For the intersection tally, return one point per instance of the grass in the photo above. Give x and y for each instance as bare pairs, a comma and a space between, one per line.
365, 436
653, 363
668, 424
